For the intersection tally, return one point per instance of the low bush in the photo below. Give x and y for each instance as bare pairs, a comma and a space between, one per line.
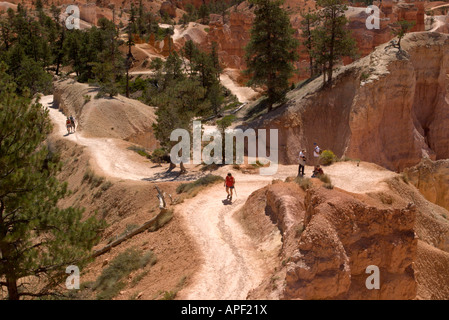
327, 157
141, 151
109, 283
304, 183
201, 182
327, 181
158, 155
325, 178
92, 178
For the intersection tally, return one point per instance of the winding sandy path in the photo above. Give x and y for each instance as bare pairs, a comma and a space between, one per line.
231, 265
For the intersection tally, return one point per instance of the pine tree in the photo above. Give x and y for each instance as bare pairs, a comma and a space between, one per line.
38, 241
332, 40
401, 27
308, 22
203, 13
129, 57
271, 50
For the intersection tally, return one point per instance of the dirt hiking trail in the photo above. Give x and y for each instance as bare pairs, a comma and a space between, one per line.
232, 264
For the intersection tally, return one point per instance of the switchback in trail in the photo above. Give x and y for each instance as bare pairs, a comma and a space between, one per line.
232, 264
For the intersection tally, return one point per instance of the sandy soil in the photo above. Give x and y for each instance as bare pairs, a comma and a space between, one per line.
231, 264
244, 94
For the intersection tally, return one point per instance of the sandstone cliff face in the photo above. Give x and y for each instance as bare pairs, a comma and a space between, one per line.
387, 108
432, 180
329, 239
233, 35
342, 237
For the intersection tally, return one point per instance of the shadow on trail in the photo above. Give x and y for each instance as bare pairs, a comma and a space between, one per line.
227, 202
172, 176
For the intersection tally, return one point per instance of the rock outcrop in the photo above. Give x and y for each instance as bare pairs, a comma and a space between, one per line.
432, 180
389, 108
331, 237
231, 37
117, 117
342, 237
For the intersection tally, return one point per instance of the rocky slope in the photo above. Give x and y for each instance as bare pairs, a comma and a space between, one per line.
389, 108
116, 117
330, 237
432, 180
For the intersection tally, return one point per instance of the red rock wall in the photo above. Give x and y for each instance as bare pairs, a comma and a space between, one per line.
385, 108
342, 237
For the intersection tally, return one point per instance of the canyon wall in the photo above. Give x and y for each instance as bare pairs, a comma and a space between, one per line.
330, 237
234, 34
390, 108
342, 237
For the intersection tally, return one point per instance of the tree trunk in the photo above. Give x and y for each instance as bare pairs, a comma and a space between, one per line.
127, 79
13, 292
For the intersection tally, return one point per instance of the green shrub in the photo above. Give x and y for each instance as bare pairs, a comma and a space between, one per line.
169, 295
327, 157
105, 186
327, 181
299, 230
138, 278
158, 155
109, 283
328, 185
201, 182
304, 183
325, 178
92, 178
86, 98
141, 151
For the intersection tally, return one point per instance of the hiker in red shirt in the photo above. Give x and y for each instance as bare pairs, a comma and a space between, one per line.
229, 183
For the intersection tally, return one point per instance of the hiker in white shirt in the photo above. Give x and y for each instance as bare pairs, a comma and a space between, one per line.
302, 162
316, 152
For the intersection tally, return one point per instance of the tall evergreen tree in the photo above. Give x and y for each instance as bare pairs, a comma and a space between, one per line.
332, 40
308, 22
272, 50
38, 241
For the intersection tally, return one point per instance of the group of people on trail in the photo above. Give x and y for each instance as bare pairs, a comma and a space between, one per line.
317, 171
70, 124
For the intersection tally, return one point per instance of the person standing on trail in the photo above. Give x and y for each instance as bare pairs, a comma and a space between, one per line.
68, 124
302, 162
229, 184
72, 121
316, 153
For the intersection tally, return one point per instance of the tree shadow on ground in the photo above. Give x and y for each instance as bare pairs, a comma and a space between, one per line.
172, 176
